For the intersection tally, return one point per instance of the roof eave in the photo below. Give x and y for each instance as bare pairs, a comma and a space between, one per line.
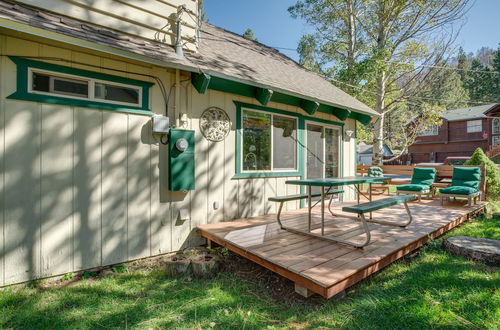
284, 91
186, 66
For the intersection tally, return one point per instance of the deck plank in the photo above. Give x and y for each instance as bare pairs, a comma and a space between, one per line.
327, 267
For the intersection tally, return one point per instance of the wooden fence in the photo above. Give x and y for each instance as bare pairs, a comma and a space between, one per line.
442, 172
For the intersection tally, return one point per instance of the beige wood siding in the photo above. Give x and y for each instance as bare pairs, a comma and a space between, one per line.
150, 19
82, 188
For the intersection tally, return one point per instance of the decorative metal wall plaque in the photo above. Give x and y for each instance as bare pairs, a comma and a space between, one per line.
215, 124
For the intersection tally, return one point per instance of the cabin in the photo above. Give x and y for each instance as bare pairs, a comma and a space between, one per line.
124, 125
461, 132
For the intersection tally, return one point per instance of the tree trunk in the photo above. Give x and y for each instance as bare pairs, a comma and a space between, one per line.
351, 36
378, 141
378, 134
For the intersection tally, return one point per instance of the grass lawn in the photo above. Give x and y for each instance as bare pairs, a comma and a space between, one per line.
429, 289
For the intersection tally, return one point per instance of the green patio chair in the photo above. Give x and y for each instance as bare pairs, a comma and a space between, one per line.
421, 182
465, 182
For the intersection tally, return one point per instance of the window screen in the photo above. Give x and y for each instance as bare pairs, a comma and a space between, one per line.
496, 126
284, 143
116, 93
269, 142
256, 141
474, 126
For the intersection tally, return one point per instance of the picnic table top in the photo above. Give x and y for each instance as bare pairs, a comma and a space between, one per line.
328, 182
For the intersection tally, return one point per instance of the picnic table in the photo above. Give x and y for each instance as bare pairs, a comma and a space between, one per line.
328, 183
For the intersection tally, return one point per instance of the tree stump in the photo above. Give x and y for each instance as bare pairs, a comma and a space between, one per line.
176, 265
480, 249
205, 265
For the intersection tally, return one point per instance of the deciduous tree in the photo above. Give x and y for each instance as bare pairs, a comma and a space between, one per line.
383, 46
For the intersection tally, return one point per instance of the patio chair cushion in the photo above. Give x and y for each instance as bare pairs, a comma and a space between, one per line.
423, 176
466, 177
375, 171
458, 190
412, 187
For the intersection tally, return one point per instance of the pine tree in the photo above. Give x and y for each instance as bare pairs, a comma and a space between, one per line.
250, 35
462, 64
480, 82
496, 77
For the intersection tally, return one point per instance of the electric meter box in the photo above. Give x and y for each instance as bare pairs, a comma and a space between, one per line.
160, 124
181, 160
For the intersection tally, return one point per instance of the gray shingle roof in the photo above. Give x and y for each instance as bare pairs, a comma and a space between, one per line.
367, 149
468, 113
221, 53
230, 54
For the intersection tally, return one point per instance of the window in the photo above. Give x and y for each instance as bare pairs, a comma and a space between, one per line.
432, 130
70, 86
496, 126
269, 142
57, 84
496, 140
474, 126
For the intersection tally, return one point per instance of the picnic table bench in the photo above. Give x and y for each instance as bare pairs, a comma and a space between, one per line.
359, 209
289, 198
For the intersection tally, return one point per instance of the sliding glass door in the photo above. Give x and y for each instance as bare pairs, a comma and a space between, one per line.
322, 151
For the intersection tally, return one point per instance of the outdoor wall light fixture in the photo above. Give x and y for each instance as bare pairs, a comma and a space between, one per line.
349, 133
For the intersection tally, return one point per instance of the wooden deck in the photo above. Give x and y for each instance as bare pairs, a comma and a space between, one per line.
328, 268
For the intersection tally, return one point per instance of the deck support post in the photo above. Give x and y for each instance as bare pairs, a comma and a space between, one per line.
304, 292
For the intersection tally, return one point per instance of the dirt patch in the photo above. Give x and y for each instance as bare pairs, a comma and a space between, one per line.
278, 287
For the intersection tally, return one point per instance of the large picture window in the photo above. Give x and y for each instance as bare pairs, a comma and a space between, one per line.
269, 142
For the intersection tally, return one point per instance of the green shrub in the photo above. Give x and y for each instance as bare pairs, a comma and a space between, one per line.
492, 172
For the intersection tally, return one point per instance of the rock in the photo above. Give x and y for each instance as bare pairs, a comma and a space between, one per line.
480, 249
176, 265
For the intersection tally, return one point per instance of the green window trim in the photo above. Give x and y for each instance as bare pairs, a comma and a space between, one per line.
301, 142
22, 91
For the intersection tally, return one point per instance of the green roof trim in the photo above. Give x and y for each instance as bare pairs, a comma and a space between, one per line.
265, 95
309, 106
200, 81
362, 118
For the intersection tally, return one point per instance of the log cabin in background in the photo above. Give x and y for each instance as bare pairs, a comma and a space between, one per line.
461, 132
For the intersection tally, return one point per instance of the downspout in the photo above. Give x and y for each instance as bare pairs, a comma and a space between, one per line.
178, 33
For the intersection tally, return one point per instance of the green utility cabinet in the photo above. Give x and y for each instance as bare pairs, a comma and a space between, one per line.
181, 160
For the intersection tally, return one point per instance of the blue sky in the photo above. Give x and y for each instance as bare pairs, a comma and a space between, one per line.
273, 26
